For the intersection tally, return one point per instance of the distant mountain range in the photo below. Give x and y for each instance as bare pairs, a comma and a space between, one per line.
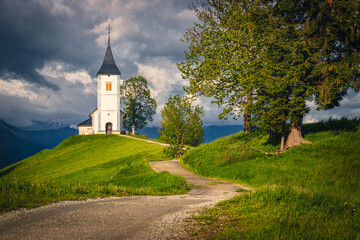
17, 144
212, 132
46, 125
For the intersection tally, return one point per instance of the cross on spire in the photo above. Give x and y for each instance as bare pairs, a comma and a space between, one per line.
109, 28
108, 67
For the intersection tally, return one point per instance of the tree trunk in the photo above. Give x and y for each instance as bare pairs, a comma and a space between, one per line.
282, 144
295, 138
272, 135
247, 116
247, 127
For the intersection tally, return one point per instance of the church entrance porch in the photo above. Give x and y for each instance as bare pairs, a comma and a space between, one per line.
108, 128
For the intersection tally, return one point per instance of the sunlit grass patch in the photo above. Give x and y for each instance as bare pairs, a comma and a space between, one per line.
308, 192
87, 167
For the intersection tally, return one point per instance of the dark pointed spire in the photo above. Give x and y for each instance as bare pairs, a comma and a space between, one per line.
109, 34
109, 66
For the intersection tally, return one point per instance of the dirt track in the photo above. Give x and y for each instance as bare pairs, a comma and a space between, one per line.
138, 217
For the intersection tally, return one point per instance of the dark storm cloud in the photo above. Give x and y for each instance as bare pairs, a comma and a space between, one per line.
59, 45
31, 34
39, 35
156, 30
19, 23
35, 32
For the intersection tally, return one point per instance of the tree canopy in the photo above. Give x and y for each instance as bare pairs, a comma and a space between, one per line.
181, 124
268, 58
139, 107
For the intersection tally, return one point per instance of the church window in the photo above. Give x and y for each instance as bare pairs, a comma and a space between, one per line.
108, 86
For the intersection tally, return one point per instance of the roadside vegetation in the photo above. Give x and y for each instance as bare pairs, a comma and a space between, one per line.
309, 192
181, 125
84, 167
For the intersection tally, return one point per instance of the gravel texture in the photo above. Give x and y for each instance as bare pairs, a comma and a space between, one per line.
137, 217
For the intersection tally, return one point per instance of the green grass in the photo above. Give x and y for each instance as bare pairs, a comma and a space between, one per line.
159, 140
84, 167
140, 136
309, 192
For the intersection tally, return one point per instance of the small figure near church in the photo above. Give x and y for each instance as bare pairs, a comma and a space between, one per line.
108, 117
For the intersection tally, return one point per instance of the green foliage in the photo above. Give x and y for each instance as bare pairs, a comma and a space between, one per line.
181, 124
267, 58
308, 192
223, 54
329, 32
139, 107
84, 167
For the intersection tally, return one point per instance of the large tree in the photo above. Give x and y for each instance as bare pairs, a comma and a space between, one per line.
327, 39
224, 55
268, 58
181, 124
139, 107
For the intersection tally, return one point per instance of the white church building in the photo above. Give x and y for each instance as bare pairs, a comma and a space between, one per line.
108, 117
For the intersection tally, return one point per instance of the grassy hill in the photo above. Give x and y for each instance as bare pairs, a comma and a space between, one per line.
86, 167
17, 144
309, 192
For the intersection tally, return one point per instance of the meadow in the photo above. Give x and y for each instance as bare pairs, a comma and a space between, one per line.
308, 192
84, 167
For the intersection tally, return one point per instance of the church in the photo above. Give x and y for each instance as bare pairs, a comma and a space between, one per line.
108, 117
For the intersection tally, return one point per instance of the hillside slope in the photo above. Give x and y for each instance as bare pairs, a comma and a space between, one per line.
212, 132
87, 166
51, 137
15, 145
311, 191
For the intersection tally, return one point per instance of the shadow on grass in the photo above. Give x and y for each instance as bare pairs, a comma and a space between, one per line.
342, 124
8, 170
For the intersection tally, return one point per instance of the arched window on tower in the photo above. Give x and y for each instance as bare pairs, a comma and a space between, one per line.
108, 86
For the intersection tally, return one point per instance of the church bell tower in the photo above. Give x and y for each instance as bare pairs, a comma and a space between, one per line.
107, 119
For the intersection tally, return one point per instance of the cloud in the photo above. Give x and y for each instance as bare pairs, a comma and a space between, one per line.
164, 79
51, 50
36, 32
58, 71
54, 48
57, 7
349, 107
25, 101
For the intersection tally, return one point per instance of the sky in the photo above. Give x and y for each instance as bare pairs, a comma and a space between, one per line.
51, 50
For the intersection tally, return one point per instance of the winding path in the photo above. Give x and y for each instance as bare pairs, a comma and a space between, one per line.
137, 217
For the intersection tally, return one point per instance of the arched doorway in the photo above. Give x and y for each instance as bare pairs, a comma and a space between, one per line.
108, 128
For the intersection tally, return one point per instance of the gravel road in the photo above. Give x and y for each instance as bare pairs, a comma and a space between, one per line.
137, 217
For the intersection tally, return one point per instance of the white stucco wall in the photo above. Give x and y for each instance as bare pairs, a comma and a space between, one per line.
94, 117
85, 130
108, 103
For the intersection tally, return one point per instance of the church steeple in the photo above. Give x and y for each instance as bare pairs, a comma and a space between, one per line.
108, 28
109, 66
